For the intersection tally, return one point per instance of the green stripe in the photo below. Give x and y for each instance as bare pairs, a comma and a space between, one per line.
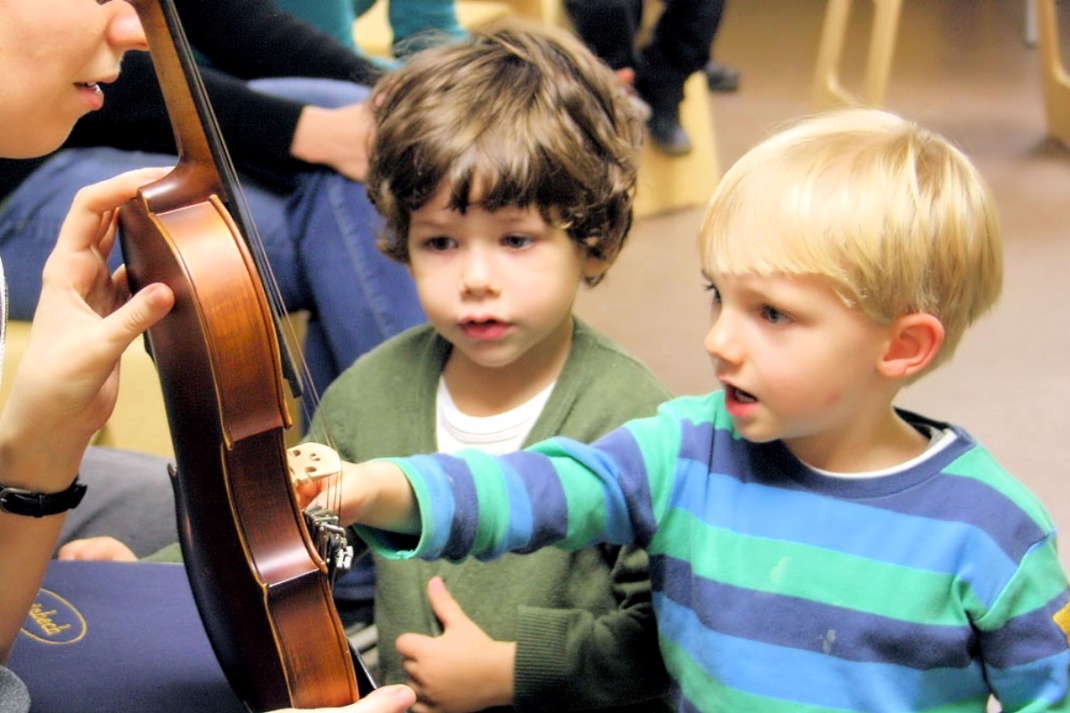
1034, 585
978, 464
788, 568
492, 499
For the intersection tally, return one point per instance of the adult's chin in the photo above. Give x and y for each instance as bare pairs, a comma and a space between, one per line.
32, 140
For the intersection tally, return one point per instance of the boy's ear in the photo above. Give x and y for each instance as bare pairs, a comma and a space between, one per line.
915, 341
594, 267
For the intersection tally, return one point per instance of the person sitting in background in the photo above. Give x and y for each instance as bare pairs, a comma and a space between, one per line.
679, 47
55, 56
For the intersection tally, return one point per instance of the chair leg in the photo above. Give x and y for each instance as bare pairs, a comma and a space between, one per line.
1056, 82
828, 90
881, 49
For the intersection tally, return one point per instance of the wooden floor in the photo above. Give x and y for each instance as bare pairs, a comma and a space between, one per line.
962, 68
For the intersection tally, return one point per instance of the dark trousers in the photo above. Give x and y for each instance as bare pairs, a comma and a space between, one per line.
680, 44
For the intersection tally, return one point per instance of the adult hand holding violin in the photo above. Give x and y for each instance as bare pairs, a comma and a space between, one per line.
388, 699
67, 381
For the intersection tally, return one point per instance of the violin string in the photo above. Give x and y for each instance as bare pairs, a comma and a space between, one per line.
286, 332
309, 393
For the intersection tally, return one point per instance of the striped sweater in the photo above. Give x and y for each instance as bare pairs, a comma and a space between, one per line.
778, 588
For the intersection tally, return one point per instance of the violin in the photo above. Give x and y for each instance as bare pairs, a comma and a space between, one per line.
258, 575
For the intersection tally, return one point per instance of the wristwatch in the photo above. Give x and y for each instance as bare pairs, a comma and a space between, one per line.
19, 501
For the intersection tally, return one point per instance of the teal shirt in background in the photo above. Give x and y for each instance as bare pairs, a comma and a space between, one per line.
335, 17
415, 24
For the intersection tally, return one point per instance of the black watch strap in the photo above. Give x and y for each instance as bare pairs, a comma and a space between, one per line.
19, 501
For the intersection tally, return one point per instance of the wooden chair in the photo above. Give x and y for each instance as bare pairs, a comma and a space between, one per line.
828, 90
1056, 82
139, 421
669, 183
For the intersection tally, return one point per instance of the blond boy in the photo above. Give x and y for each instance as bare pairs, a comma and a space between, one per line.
812, 546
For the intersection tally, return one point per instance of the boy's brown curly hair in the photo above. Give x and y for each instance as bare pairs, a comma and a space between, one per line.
520, 114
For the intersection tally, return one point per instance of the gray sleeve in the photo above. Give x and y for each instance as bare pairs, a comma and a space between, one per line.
128, 496
14, 698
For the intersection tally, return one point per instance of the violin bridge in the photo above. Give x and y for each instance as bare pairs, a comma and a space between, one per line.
312, 461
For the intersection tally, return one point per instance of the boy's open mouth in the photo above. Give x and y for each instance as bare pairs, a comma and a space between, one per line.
740, 395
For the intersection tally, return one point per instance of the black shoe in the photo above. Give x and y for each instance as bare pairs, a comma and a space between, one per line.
667, 134
721, 78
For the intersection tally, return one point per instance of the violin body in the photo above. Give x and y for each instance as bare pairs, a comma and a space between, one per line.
261, 588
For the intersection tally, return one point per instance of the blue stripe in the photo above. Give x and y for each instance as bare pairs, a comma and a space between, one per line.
462, 500
943, 496
812, 678
1027, 637
984, 508
542, 495
616, 526
768, 503
1044, 680
976, 503
634, 482
520, 524
791, 622
700, 439
856, 528
426, 476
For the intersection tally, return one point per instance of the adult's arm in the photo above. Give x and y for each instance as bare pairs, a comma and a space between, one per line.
65, 387
251, 39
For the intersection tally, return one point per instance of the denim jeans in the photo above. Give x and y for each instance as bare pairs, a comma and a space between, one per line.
319, 240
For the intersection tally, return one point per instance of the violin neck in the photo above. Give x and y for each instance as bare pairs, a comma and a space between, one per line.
200, 145
203, 157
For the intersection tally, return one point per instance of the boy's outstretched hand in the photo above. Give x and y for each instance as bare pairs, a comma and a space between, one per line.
463, 669
376, 494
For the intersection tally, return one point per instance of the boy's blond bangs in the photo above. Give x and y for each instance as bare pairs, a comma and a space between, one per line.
895, 218
770, 225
